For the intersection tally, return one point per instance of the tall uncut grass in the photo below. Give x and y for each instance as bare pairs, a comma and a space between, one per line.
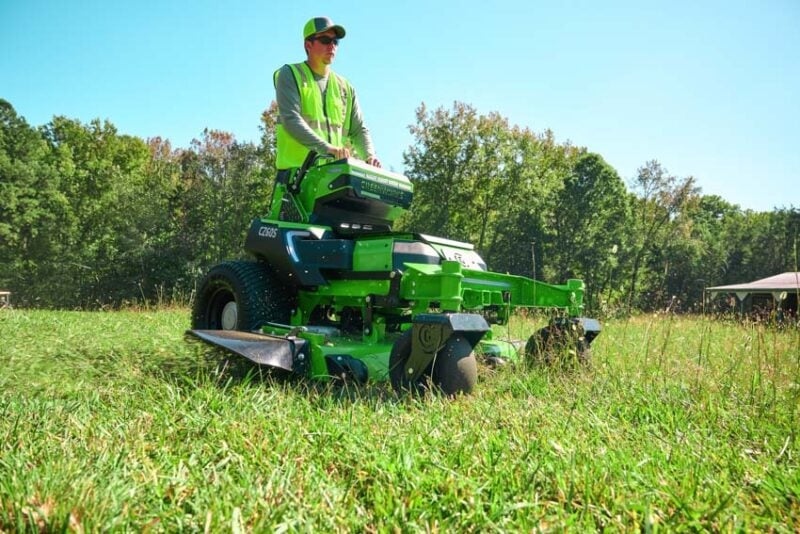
111, 421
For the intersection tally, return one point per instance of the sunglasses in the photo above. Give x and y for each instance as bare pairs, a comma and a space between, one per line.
324, 39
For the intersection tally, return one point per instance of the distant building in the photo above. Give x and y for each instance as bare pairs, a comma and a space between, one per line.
776, 294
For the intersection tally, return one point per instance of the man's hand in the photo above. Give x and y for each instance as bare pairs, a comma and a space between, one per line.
375, 162
339, 152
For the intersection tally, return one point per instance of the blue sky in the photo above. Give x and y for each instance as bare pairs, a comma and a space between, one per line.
709, 88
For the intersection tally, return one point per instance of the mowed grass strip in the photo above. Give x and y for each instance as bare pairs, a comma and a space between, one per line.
113, 421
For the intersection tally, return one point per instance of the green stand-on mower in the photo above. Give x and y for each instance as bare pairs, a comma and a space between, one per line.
334, 292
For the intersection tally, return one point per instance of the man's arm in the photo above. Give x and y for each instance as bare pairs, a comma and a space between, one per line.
359, 134
288, 97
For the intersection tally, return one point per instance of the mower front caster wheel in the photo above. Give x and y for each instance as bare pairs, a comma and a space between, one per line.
553, 346
453, 370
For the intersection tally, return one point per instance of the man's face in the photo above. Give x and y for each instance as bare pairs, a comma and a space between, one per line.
318, 50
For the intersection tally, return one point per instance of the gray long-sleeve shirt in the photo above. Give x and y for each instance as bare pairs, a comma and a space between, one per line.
288, 98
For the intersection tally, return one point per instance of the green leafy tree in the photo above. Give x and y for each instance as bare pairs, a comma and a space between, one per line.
440, 162
535, 172
36, 221
117, 207
660, 198
590, 224
479, 180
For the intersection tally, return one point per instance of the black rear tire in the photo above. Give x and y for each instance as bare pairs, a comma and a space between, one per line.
240, 295
454, 370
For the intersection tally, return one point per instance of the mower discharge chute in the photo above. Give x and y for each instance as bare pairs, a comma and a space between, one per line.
334, 292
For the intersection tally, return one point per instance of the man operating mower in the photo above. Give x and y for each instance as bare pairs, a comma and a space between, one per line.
318, 109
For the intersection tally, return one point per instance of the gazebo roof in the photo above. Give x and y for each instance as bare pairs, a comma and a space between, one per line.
780, 282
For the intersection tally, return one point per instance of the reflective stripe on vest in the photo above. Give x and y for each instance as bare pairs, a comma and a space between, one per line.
330, 119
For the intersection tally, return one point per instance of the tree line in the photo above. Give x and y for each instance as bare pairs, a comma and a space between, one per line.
91, 217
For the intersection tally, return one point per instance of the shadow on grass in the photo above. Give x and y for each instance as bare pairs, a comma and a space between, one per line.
209, 364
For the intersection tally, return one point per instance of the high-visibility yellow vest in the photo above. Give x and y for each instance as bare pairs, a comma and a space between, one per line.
329, 119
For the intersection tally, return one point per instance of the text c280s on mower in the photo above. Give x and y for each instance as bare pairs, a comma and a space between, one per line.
334, 292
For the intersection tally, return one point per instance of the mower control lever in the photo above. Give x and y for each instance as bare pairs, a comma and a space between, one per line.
301, 173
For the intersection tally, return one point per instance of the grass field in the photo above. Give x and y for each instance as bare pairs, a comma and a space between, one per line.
111, 421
